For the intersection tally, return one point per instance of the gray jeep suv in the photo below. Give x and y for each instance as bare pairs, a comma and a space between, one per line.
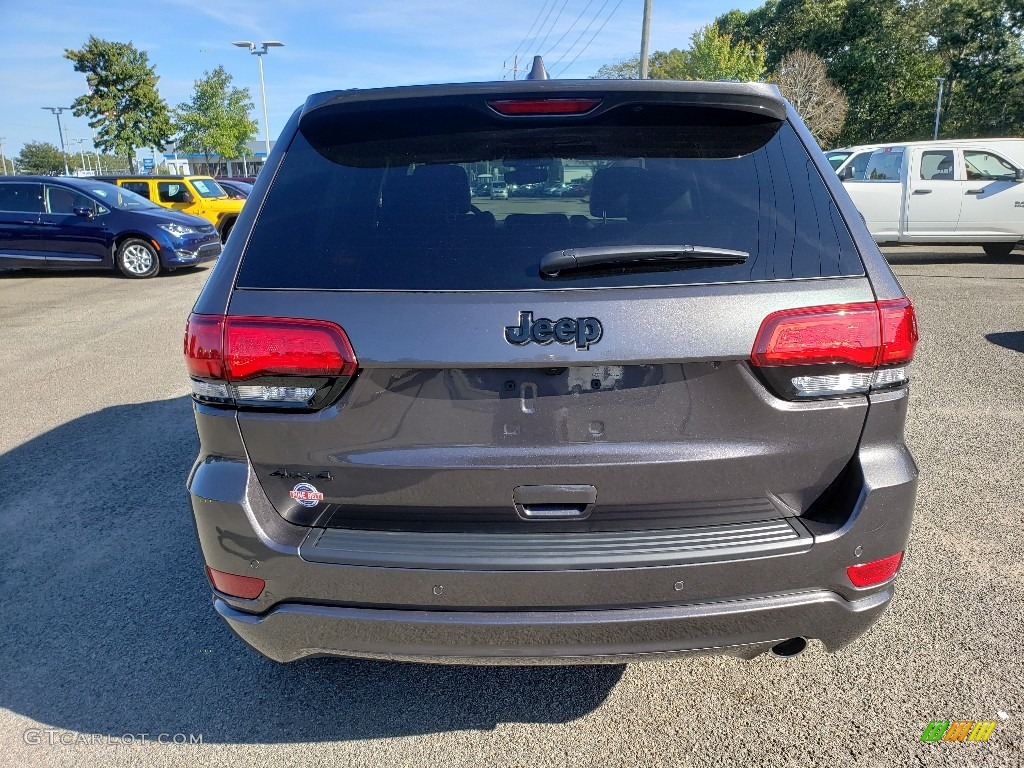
661, 416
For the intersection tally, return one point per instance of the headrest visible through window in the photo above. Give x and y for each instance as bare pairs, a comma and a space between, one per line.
610, 191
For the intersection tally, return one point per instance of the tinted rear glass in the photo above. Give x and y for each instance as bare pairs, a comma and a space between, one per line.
361, 209
21, 197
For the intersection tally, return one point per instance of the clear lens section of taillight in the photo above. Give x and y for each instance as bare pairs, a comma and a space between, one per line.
273, 394
211, 390
836, 350
831, 384
267, 361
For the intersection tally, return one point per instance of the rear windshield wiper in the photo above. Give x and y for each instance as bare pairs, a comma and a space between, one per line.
639, 255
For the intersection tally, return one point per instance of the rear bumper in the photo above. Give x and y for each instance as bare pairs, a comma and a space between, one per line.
437, 605
742, 628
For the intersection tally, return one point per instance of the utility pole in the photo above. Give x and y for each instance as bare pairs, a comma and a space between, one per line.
938, 106
645, 38
60, 132
514, 67
81, 152
3, 162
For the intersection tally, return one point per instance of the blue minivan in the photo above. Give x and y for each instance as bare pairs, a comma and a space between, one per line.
74, 223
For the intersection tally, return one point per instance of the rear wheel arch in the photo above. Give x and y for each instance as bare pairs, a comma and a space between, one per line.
226, 225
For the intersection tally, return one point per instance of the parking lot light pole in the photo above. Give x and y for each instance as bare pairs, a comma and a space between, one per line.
938, 106
81, 152
259, 53
60, 131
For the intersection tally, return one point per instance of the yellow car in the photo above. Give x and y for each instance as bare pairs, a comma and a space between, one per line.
198, 195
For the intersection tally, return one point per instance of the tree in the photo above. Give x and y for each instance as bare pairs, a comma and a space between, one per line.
713, 55
981, 46
884, 54
803, 79
42, 158
623, 69
216, 121
662, 65
123, 104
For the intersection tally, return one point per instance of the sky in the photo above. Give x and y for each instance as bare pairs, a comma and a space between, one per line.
328, 46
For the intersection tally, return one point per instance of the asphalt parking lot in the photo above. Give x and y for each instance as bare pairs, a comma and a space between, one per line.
108, 629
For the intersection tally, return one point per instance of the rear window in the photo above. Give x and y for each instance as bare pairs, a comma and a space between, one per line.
21, 197
354, 209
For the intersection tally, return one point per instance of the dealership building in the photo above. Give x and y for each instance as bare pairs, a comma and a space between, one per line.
248, 165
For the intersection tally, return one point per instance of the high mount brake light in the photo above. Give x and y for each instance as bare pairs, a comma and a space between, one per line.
543, 106
282, 361
839, 346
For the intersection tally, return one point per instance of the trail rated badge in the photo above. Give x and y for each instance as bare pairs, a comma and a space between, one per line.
306, 495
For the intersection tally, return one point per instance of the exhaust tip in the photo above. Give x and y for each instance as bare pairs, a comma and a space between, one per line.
791, 648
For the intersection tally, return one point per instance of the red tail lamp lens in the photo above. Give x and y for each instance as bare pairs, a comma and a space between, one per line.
846, 333
875, 572
245, 587
239, 348
203, 346
899, 331
864, 335
543, 106
266, 346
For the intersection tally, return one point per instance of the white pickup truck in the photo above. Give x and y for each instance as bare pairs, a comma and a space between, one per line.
955, 192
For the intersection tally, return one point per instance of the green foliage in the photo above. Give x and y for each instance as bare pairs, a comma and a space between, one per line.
42, 158
980, 44
713, 55
123, 104
216, 121
661, 65
884, 55
624, 69
668, 65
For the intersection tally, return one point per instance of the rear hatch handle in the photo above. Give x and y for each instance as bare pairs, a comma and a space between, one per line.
554, 502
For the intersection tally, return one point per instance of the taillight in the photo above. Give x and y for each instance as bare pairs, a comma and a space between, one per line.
267, 361
875, 572
543, 106
834, 350
899, 331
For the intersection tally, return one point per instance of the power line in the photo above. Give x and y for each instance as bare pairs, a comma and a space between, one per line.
527, 36
592, 38
559, 42
552, 27
584, 32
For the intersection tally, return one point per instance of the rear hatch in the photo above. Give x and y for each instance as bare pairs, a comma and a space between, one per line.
579, 362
